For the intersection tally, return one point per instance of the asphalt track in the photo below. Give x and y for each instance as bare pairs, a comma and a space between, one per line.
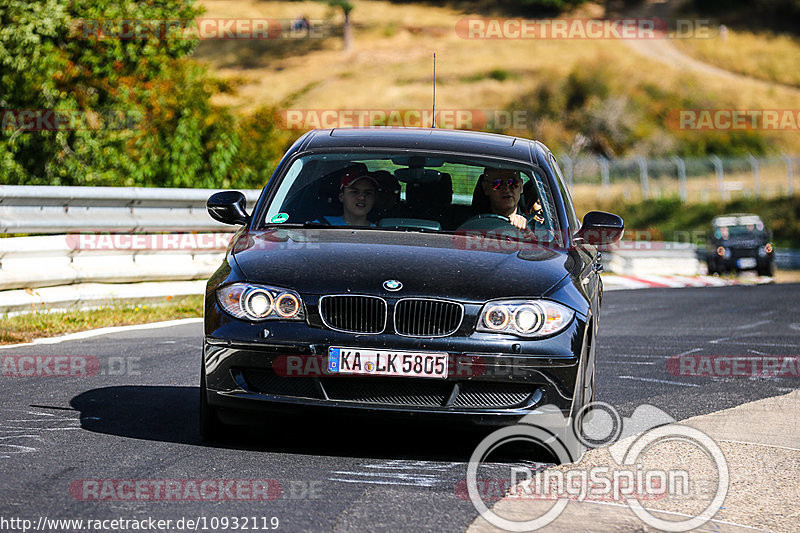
136, 419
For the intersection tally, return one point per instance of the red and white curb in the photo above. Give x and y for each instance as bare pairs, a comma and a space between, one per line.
612, 282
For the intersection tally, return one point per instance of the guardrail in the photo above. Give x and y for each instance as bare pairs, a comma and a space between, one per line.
47, 209
34, 262
116, 257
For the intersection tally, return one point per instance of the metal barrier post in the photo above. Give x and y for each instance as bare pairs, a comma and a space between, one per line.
720, 175
754, 165
603, 162
681, 177
643, 177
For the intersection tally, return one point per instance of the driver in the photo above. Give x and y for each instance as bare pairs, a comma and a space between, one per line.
503, 188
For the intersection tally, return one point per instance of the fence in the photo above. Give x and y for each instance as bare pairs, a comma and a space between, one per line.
692, 179
67, 268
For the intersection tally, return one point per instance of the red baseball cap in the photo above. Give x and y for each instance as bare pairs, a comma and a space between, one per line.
355, 174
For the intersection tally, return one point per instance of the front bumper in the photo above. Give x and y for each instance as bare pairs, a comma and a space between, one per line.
491, 380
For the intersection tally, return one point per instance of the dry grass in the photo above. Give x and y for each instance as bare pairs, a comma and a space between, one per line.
390, 66
25, 328
768, 57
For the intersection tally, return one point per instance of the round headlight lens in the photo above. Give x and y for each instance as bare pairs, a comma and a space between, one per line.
257, 303
721, 251
287, 305
497, 317
528, 318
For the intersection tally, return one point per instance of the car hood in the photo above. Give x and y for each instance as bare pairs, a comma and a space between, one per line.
327, 261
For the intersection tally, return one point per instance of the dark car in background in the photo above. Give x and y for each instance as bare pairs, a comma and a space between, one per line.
739, 242
433, 308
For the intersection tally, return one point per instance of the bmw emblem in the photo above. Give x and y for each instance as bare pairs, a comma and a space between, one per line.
392, 285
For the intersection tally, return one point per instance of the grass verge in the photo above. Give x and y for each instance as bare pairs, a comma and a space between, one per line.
669, 219
37, 324
765, 56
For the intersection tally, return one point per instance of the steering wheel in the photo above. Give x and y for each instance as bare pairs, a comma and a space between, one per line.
484, 221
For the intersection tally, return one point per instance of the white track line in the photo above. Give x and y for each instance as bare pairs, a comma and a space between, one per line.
652, 380
104, 331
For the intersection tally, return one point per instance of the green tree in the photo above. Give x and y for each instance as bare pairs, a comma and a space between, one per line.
347, 27
53, 58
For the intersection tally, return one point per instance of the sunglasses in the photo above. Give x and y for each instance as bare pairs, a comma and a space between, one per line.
511, 182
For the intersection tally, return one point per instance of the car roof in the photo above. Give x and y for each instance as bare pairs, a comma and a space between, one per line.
436, 139
736, 219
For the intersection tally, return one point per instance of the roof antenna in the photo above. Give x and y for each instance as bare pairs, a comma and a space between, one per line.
434, 90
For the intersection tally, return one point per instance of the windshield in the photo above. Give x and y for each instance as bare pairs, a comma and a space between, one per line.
407, 192
740, 231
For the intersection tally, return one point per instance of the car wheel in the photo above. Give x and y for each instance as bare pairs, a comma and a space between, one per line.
211, 428
768, 270
712, 270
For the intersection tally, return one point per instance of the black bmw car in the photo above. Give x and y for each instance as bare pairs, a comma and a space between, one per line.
412, 272
739, 242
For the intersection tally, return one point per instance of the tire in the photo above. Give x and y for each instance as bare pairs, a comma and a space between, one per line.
768, 270
211, 429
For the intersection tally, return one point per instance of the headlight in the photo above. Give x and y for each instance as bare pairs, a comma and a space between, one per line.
723, 252
260, 302
525, 318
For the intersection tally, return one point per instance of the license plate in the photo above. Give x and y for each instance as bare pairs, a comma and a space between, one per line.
386, 363
746, 262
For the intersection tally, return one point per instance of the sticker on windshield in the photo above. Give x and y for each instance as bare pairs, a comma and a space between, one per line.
280, 218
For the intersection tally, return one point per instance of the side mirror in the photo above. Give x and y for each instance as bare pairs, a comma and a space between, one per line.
599, 228
228, 207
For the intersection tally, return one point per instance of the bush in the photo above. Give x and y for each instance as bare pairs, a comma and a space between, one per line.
172, 136
596, 110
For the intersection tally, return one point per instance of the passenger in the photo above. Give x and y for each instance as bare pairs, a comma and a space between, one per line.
357, 193
503, 188
533, 207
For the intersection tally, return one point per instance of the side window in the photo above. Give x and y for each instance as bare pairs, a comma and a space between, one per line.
573, 218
